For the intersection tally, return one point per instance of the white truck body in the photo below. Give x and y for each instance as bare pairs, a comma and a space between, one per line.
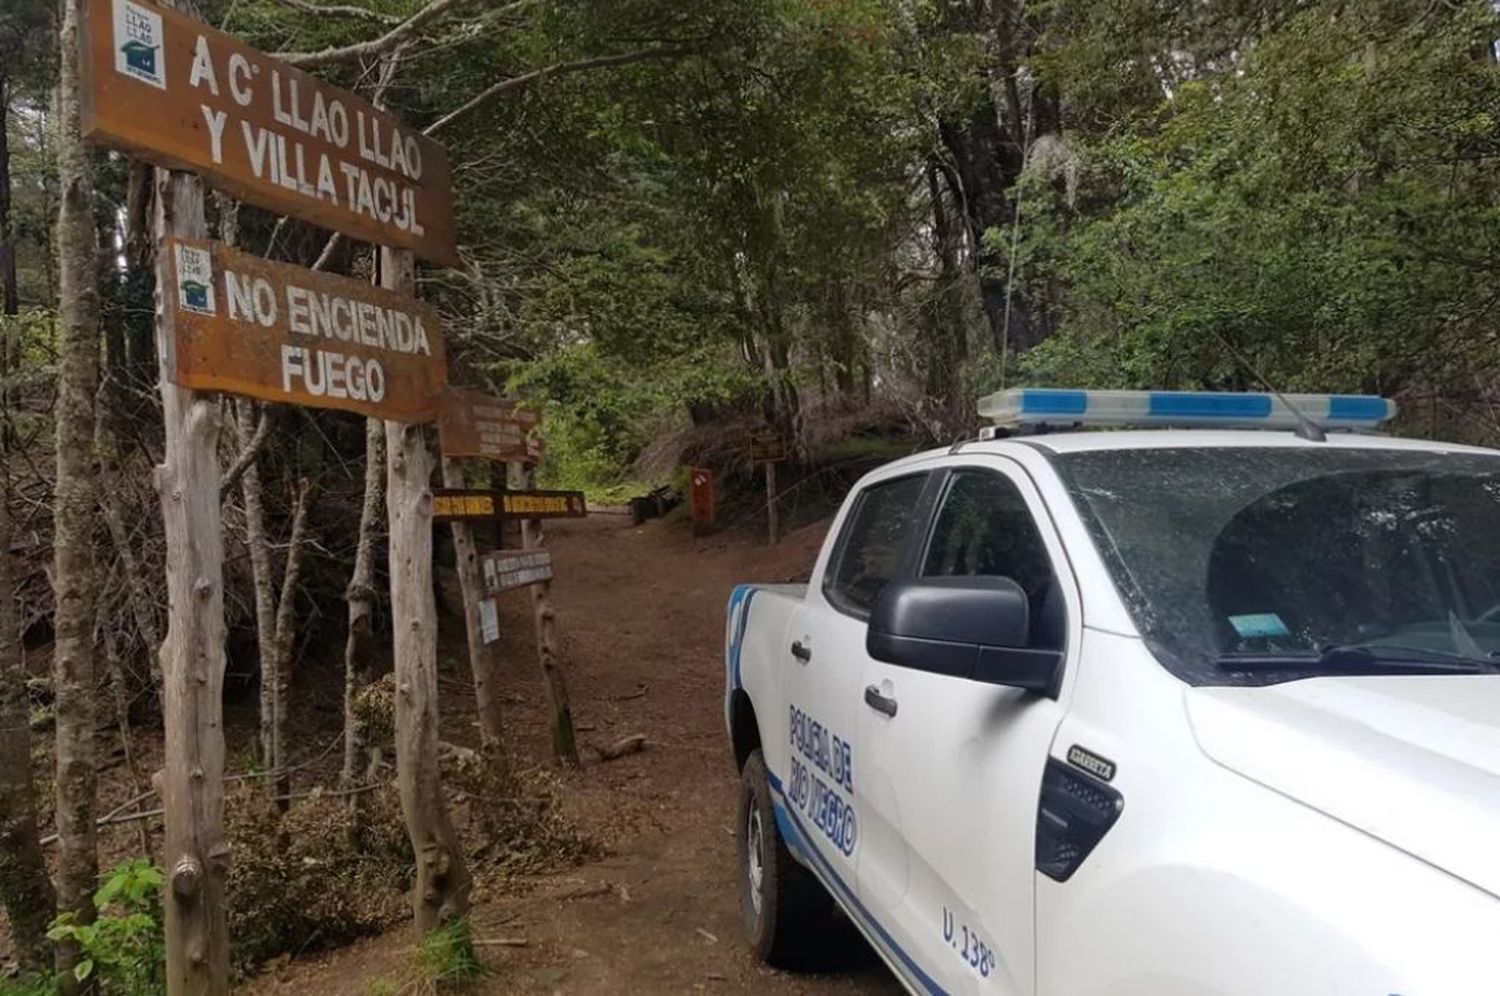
1321, 834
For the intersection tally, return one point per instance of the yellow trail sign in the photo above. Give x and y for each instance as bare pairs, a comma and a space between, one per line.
246, 325
174, 91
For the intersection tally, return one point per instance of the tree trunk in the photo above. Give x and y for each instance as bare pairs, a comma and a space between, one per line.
286, 633
25, 891
261, 581
481, 655
442, 887
73, 509
564, 739
10, 300
359, 650
192, 657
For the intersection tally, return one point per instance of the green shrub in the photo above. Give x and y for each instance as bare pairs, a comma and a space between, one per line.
124, 949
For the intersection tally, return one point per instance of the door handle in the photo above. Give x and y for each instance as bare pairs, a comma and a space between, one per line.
878, 702
801, 651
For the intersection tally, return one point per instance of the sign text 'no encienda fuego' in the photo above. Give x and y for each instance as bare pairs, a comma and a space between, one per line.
278, 332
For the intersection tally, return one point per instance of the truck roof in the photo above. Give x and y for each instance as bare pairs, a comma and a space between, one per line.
1141, 439
1086, 440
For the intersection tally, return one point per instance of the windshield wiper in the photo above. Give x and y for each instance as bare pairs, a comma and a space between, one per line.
1376, 656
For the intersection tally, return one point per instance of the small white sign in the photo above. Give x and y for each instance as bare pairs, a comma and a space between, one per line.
503, 571
489, 621
139, 53
195, 280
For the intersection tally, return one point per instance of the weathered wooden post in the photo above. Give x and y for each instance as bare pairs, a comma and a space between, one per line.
773, 524
442, 886
564, 739
192, 656
481, 654
768, 448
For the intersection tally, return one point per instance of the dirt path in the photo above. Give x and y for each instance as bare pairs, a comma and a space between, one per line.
641, 612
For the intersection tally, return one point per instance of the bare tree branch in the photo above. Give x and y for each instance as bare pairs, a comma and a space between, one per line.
373, 47
390, 62
556, 69
340, 10
248, 454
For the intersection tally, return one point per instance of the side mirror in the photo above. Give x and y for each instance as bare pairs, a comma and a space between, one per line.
965, 627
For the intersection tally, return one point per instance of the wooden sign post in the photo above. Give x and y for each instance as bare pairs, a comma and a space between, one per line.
767, 448
159, 84
192, 655
462, 506
564, 740
441, 891
473, 424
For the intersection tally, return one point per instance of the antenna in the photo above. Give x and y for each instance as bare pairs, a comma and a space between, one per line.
1306, 428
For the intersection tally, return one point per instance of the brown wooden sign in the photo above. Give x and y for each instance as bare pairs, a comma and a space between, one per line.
277, 332
466, 505
174, 91
545, 505
504, 571
473, 424
767, 446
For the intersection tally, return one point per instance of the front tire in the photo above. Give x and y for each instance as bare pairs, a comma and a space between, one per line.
786, 912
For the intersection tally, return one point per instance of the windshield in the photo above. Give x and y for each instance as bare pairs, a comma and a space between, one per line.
1248, 565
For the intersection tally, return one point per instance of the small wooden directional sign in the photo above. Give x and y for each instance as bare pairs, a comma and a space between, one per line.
767, 446
168, 88
277, 332
473, 424
504, 571
466, 505
477, 504
545, 505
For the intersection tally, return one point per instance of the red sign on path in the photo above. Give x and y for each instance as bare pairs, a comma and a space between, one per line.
701, 499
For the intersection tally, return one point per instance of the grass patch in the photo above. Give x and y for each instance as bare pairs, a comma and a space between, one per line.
446, 957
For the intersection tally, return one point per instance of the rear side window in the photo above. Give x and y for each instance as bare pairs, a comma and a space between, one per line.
873, 541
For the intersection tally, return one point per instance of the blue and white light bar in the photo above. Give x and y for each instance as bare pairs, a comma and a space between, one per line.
1029, 406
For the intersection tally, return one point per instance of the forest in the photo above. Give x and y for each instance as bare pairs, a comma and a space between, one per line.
675, 223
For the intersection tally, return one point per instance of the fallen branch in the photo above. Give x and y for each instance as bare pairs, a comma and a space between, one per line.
113, 818
639, 693
633, 744
586, 892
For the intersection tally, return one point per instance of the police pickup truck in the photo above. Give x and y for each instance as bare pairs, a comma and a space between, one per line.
1197, 709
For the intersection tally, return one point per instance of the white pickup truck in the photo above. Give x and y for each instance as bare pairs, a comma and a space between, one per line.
1171, 712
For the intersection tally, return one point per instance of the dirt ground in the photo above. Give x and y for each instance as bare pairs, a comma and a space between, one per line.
640, 610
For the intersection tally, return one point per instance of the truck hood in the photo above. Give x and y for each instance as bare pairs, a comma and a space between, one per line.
1412, 760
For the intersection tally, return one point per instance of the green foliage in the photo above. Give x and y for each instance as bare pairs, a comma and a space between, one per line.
446, 958
29, 985
1326, 204
124, 949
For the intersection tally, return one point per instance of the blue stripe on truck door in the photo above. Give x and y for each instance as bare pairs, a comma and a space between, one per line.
796, 837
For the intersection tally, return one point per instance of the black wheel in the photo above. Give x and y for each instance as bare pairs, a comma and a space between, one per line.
787, 913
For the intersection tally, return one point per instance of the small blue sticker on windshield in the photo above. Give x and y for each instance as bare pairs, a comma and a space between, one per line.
1259, 624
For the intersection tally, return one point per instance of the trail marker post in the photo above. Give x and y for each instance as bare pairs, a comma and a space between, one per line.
768, 448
